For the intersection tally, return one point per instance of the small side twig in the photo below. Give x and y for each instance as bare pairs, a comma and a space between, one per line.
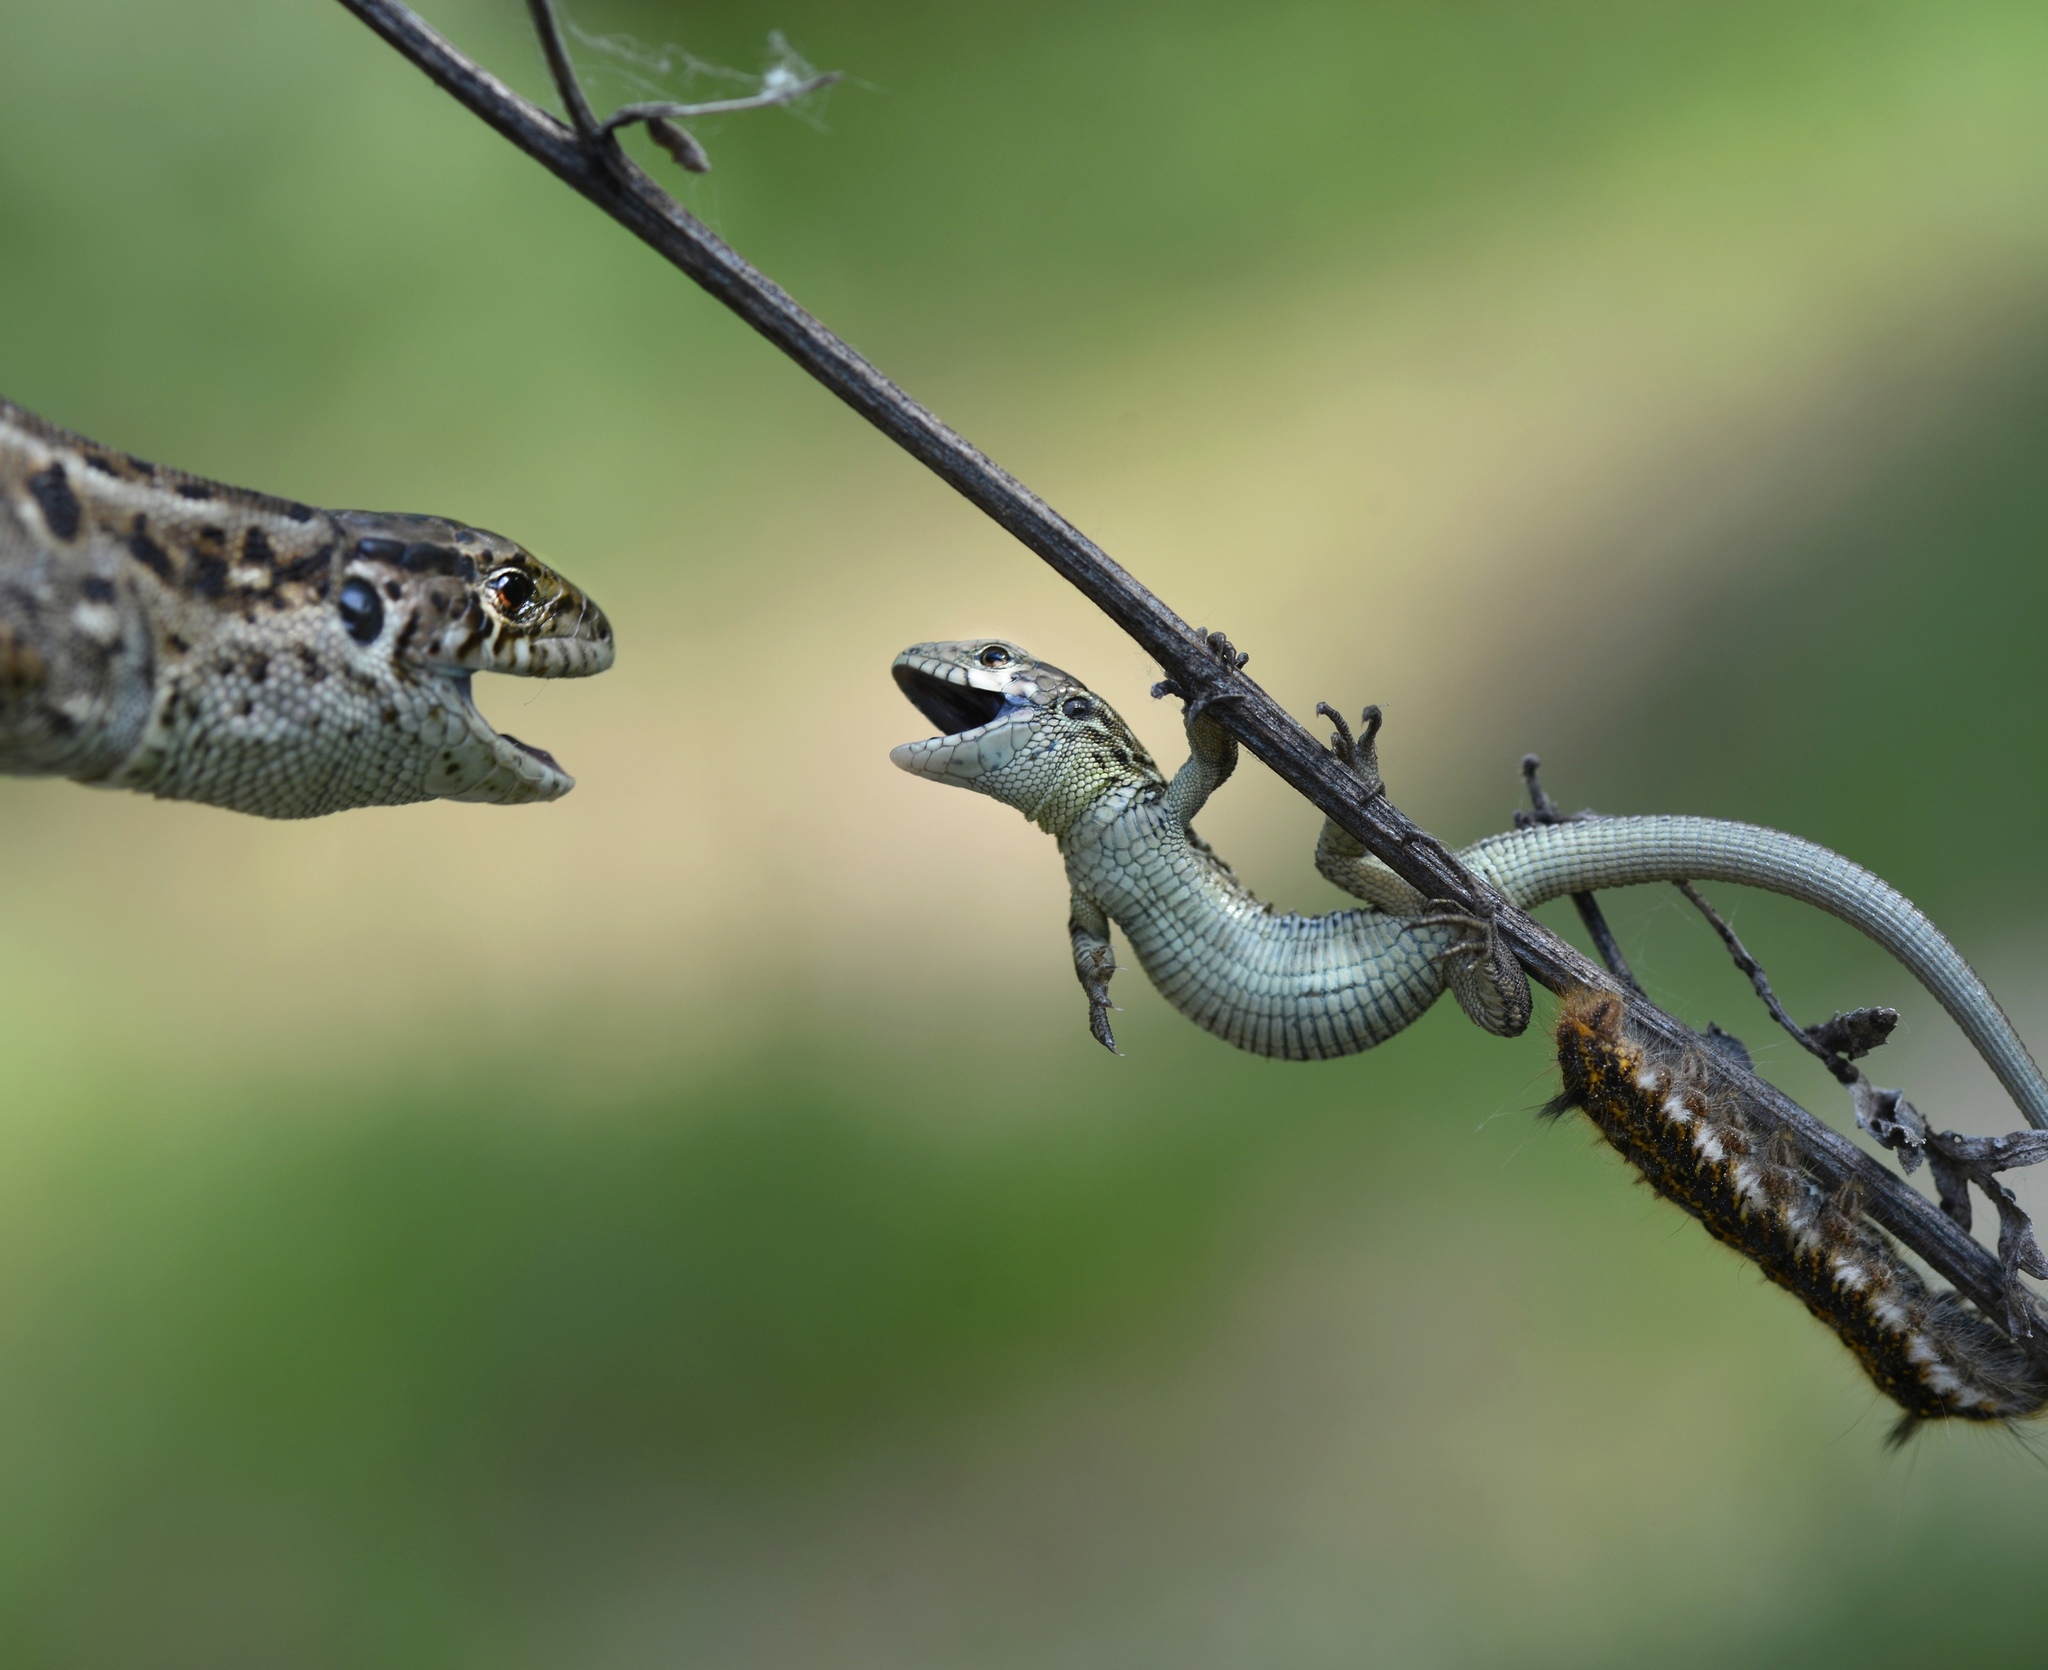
555, 49
1588, 906
787, 93
1814, 1045
1956, 1161
660, 116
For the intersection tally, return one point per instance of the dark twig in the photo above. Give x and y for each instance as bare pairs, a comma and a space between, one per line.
556, 51
1956, 1161
1838, 1042
609, 179
1808, 1041
660, 115
627, 114
1587, 905
662, 118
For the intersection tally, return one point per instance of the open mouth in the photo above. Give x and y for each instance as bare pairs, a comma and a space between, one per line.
531, 752
465, 684
952, 707
535, 773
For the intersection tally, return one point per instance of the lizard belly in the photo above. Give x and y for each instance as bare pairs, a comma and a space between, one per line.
1302, 988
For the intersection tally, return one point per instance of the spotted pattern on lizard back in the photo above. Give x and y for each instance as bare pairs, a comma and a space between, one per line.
195, 641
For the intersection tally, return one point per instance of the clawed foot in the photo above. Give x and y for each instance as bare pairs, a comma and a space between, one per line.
1478, 931
1098, 1024
1360, 754
1228, 658
1094, 968
1484, 976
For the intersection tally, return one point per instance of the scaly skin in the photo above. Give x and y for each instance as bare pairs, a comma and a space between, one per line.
199, 642
1307, 987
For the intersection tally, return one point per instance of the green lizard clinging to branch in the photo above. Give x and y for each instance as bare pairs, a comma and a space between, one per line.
1309, 987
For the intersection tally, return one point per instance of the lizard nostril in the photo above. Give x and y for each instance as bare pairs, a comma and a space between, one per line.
361, 609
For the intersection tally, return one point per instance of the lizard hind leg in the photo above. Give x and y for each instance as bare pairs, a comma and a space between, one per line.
1482, 972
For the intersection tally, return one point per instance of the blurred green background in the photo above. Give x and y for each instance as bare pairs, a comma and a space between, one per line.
689, 1225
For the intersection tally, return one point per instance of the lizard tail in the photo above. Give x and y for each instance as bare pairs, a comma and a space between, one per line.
1534, 865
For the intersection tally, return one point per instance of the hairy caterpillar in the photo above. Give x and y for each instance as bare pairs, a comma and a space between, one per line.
1929, 1352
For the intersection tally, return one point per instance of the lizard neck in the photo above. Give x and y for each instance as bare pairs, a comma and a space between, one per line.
121, 585
219, 547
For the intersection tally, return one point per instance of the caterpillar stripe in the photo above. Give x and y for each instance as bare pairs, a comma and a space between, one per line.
1929, 1352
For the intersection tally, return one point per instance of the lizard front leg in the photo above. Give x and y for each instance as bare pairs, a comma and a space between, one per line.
1482, 972
1212, 751
1094, 963
1212, 757
1340, 855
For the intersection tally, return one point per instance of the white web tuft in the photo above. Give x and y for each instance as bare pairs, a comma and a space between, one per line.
672, 72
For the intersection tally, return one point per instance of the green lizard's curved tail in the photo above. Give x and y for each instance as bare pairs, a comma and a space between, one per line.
1534, 865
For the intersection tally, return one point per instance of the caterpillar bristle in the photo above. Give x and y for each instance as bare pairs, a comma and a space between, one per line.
1929, 1352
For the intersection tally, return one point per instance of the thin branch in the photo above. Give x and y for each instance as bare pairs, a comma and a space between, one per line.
627, 114
1957, 1161
610, 180
1843, 1071
660, 115
556, 50
1588, 906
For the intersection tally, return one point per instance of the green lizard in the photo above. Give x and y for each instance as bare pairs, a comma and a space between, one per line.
1309, 987
199, 642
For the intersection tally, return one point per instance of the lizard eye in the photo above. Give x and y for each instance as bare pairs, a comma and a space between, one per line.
511, 590
361, 610
1075, 708
995, 656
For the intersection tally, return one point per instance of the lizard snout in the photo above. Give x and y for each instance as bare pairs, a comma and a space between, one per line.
980, 699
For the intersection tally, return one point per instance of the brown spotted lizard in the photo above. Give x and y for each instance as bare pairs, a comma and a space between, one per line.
199, 642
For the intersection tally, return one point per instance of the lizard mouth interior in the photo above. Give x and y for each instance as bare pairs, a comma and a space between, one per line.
465, 684
530, 751
954, 708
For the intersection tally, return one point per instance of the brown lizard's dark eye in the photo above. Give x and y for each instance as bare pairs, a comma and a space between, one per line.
361, 610
995, 656
1075, 708
511, 590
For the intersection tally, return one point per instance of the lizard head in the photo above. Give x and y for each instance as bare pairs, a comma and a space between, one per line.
1016, 729
459, 599
425, 603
